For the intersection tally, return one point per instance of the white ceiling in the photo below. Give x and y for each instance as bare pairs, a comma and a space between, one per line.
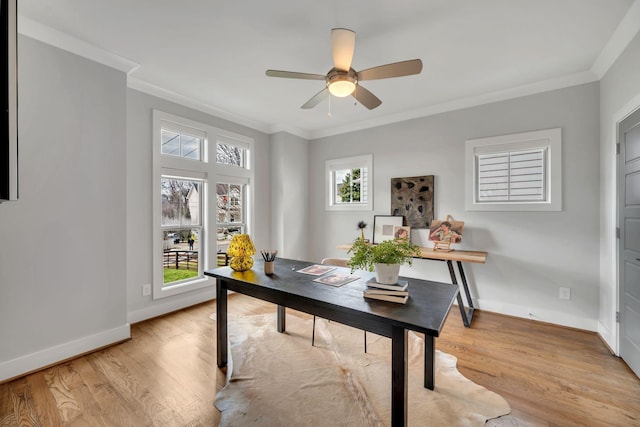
213, 54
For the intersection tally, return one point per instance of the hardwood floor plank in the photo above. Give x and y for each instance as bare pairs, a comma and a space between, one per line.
167, 375
23, 409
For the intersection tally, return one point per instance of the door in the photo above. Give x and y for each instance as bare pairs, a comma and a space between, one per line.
629, 243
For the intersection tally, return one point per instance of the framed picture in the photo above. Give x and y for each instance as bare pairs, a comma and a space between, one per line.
383, 227
412, 197
402, 232
446, 231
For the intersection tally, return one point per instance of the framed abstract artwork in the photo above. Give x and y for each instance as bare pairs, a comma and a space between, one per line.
412, 198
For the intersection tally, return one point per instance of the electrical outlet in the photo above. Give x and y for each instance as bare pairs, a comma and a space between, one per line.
146, 290
565, 293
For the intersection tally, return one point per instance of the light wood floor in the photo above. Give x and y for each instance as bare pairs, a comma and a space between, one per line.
166, 374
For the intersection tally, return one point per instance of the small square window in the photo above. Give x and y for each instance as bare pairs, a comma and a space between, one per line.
349, 183
519, 172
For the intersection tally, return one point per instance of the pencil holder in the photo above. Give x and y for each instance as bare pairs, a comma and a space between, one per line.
268, 267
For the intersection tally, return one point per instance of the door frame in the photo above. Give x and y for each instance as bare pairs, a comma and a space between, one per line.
629, 108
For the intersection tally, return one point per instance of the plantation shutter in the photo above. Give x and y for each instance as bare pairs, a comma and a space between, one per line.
512, 176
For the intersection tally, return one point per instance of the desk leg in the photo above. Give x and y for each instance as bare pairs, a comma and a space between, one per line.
221, 323
399, 377
465, 286
463, 312
429, 362
282, 319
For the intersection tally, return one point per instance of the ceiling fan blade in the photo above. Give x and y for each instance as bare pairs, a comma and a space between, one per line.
343, 43
397, 69
316, 99
294, 75
366, 98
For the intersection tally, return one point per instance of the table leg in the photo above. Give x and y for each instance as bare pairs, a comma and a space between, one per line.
463, 312
282, 319
465, 286
429, 362
398, 376
221, 323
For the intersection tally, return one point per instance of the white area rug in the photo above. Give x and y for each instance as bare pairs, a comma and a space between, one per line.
281, 380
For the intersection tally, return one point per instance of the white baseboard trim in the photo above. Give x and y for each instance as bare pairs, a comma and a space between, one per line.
52, 355
539, 314
169, 304
608, 337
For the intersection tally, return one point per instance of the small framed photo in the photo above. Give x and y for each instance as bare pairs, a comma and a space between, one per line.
402, 232
383, 227
446, 231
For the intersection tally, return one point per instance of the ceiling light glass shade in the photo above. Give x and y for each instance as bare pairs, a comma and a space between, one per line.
342, 88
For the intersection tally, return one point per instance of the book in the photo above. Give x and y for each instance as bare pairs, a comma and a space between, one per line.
336, 279
374, 291
402, 285
391, 298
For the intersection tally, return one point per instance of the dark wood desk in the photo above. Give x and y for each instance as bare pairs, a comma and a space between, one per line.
449, 257
425, 311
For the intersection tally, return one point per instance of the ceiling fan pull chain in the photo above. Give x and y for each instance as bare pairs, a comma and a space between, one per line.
329, 107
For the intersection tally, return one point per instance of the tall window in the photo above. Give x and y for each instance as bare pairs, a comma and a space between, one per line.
231, 190
186, 183
181, 229
348, 183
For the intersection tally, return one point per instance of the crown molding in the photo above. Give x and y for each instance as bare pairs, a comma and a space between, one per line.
45, 34
620, 39
151, 89
459, 104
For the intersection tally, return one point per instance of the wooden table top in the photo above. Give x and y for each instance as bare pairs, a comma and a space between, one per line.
454, 255
425, 311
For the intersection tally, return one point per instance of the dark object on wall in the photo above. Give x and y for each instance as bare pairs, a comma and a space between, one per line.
413, 198
9, 97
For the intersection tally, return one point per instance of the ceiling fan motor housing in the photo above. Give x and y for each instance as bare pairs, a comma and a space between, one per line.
342, 83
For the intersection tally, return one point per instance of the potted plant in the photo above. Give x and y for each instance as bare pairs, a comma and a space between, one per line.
386, 258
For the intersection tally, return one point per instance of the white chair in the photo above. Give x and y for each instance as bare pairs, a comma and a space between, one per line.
338, 262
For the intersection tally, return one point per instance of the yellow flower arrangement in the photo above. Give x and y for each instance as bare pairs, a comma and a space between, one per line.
240, 250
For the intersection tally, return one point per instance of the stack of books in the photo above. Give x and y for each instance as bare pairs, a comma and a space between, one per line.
395, 293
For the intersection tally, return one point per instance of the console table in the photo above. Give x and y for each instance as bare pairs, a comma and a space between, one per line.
449, 257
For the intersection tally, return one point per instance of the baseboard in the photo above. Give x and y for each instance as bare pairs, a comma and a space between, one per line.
538, 314
170, 304
608, 338
50, 356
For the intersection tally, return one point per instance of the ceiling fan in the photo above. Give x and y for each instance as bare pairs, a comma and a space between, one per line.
342, 80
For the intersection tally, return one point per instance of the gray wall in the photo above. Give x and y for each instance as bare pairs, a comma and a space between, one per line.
63, 258
619, 96
139, 213
290, 195
531, 254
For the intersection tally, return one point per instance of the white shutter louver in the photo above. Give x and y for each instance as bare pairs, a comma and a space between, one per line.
512, 176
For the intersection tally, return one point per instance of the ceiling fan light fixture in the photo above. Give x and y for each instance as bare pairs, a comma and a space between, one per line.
342, 88
341, 83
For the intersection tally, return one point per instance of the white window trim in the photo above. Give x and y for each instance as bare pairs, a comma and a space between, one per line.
207, 170
354, 162
548, 138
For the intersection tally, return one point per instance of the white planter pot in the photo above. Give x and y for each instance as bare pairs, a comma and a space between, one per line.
387, 273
